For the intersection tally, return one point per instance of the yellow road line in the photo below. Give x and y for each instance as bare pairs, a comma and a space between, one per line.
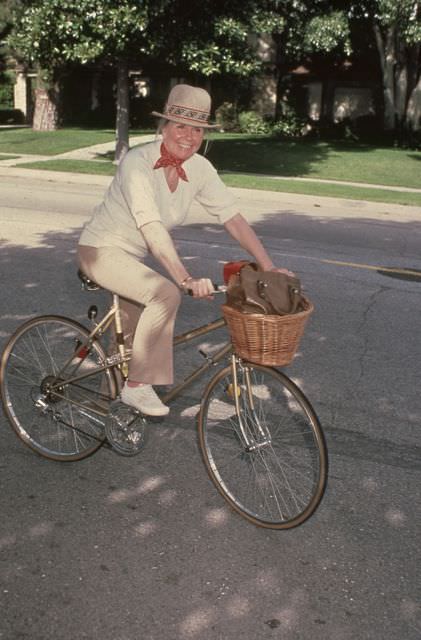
357, 265
373, 267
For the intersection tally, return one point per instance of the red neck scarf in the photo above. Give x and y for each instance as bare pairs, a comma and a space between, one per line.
168, 160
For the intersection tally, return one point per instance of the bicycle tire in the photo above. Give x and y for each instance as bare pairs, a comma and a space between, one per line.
279, 485
50, 424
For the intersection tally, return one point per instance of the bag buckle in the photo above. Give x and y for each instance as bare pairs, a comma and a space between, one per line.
261, 286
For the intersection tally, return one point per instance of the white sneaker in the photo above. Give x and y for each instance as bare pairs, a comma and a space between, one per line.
144, 399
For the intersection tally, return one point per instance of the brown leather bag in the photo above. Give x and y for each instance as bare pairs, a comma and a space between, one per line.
255, 291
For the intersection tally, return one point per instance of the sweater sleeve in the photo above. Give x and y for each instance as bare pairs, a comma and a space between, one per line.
136, 183
215, 197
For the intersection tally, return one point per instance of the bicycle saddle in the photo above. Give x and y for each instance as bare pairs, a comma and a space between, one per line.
87, 283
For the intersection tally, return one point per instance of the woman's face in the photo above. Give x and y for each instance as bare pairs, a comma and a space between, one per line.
182, 140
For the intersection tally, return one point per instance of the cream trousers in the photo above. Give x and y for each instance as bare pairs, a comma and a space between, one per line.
149, 304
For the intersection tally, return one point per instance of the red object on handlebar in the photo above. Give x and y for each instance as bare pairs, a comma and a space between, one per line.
232, 268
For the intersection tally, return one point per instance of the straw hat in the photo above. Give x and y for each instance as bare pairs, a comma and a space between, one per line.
188, 105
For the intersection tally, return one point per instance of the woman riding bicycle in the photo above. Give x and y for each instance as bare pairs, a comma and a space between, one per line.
151, 193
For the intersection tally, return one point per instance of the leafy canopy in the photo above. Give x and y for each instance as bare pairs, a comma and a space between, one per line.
403, 15
210, 37
51, 34
214, 36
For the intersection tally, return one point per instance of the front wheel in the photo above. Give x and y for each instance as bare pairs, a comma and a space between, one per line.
52, 391
269, 461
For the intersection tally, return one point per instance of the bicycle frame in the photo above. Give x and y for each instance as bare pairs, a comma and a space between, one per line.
120, 359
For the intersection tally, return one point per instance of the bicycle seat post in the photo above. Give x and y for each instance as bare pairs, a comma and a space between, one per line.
119, 334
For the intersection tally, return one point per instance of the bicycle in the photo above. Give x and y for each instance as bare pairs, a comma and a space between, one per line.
259, 436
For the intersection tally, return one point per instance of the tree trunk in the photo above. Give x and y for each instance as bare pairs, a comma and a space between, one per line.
413, 105
327, 101
387, 54
401, 92
264, 85
413, 111
122, 122
46, 110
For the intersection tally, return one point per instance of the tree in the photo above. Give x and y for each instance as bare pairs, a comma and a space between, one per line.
6, 22
53, 34
342, 29
207, 38
310, 29
217, 39
396, 27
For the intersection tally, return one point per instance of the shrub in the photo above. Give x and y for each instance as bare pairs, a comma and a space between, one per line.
227, 117
252, 122
6, 96
290, 125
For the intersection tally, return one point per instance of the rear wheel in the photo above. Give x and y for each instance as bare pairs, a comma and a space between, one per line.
58, 419
271, 464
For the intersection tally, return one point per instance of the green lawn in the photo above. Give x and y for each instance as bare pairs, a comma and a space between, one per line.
322, 189
347, 161
50, 143
95, 167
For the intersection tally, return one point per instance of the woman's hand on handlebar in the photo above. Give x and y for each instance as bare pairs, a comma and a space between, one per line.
199, 288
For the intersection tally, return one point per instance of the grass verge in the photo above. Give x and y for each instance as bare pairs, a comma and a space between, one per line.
348, 192
94, 167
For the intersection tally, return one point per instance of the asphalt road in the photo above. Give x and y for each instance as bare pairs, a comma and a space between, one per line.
144, 548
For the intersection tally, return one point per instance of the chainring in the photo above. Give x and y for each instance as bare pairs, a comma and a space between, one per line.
125, 429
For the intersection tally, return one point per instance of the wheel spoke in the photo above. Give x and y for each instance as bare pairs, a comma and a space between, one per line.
279, 480
44, 410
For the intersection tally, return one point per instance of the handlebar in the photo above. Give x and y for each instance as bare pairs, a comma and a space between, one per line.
218, 288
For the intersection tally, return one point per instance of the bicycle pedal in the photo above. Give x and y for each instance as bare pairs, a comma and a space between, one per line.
125, 429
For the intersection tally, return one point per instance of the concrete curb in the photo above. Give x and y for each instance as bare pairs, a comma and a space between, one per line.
55, 176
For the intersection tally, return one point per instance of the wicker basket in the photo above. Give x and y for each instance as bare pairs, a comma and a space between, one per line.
266, 339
